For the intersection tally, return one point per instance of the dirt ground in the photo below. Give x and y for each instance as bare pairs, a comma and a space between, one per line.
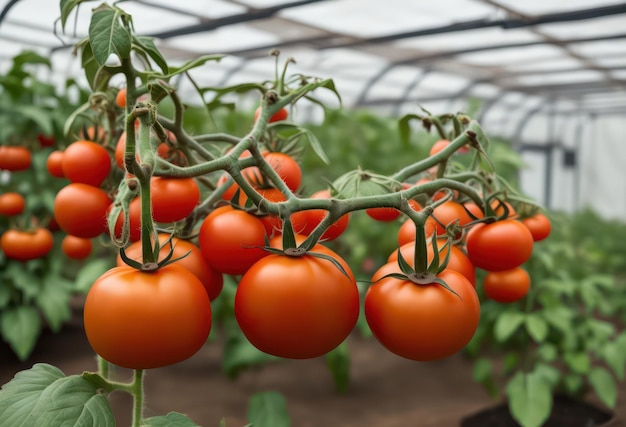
385, 390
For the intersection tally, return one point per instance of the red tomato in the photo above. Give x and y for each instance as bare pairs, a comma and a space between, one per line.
86, 162
407, 230
449, 212
539, 226
80, 210
192, 261
297, 307
443, 143
422, 321
231, 240
26, 245
286, 167
272, 223
120, 98
281, 114
507, 286
46, 140
76, 247
13, 158
458, 260
54, 164
501, 245
144, 320
389, 214
12, 204
173, 198
304, 222
134, 217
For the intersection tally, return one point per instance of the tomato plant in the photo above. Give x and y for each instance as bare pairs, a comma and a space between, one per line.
501, 245
304, 222
281, 114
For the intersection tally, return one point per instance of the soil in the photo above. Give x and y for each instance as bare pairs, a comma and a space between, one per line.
385, 390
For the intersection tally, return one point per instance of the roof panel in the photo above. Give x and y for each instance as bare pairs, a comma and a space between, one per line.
585, 28
600, 48
581, 76
517, 55
232, 37
202, 8
468, 39
540, 7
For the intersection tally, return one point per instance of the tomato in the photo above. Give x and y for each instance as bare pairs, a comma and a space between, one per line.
389, 214
539, 226
297, 307
120, 149
86, 162
507, 286
26, 245
173, 198
54, 164
474, 209
407, 230
286, 167
13, 158
281, 114
193, 261
76, 247
46, 140
12, 204
458, 260
443, 143
120, 98
163, 150
80, 210
498, 207
422, 321
449, 212
272, 223
134, 217
144, 320
304, 222
501, 245
231, 240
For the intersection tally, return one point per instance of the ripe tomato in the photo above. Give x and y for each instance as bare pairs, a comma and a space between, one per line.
297, 307
120, 98
12, 204
422, 322
134, 217
458, 260
144, 320
498, 207
54, 164
389, 214
507, 286
192, 261
286, 167
46, 140
443, 143
281, 114
539, 226
13, 158
231, 240
304, 222
501, 245
80, 210
449, 212
272, 223
26, 245
86, 162
407, 230
76, 247
173, 198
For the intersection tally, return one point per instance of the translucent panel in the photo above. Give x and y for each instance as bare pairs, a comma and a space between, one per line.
468, 39
611, 60
601, 48
206, 8
539, 7
149, 20
233, 37
484, 90
519, 55
560, 78
17, 34
559, 63
585, 28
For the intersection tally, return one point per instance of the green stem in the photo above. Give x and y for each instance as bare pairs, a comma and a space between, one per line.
104, 368
138, 396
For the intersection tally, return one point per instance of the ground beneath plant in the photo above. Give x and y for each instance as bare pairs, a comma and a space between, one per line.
385, 390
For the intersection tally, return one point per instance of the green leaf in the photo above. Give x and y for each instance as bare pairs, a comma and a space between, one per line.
404, 127
23, 279
20, 327
5, 296
530, 399
90, 272
43, 396
192, 64
483, 374
316, 146
30, 57
578, 362
173, 419
615, 358
38, 115
338, 361
147, 45
604, 385
239, 353
559, 317
551, 374
66, 8
537, 327
268, 409
573, 383
506, 325
547, 352
53, 301
108, 35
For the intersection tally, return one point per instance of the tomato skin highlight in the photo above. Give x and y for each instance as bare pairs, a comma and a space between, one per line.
15, 158
12, 203
297, 307
539, 226
501, 245
193, 261
80, 210
507, 286
231, 240
86, 162
26, 245
145, 320
422, 322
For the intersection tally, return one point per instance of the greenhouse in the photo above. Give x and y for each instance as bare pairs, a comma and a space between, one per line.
313, 213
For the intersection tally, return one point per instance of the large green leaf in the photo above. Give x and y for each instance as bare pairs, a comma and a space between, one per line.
53, 301
43, 396
268, 409
530, 399
537, 327
604, 385
506, 325
90, 272
146, 44
108, 35
20, 327
173, 419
